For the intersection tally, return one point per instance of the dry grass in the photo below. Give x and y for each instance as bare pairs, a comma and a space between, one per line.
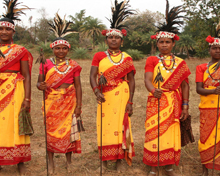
87, 162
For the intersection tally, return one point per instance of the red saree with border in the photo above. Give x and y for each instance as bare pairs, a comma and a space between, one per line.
170, 111
13, 148
60, 105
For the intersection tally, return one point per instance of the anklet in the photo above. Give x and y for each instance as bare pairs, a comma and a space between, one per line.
169, 170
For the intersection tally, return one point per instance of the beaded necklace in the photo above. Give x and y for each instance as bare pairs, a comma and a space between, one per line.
57, 69
165, 66
115, 63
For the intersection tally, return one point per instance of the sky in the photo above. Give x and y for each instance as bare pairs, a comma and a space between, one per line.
96, 8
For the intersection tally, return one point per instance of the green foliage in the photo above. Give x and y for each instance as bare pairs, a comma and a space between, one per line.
81, 53
92, 28
46, 49
141, 27
101, 47
135, 54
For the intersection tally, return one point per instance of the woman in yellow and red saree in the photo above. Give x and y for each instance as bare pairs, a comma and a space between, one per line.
117, 95
63, 98
164, 148
207, 85
15, 92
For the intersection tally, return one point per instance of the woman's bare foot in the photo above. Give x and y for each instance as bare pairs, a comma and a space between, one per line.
51, 168
104, 167
153, 171
1, 168
119, 166
21, 168
205, 171
170, 172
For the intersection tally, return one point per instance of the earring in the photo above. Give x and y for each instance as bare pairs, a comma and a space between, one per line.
121, 44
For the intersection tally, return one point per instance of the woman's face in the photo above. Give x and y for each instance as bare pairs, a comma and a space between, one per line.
165, 45
60, 51
114, 42
6, 34
215, 52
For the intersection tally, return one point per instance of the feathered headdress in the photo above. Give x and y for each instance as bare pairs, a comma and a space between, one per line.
214, 40
120, 13
167, 29
12, 13
61, 28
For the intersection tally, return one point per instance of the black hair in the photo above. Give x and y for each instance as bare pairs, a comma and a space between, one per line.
8, 20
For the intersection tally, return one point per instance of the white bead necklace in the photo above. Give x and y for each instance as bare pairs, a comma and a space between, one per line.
57, 70
115, 63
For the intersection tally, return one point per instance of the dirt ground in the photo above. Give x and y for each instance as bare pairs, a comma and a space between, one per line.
87, 162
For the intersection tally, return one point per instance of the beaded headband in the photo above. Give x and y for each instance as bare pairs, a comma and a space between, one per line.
213, 41
60, 42
165, 34
7, 24
117, 32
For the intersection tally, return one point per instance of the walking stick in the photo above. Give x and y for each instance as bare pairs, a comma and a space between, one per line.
158, 79
42, 61
102, 82
216, 130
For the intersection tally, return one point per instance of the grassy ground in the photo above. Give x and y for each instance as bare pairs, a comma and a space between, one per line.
87, 162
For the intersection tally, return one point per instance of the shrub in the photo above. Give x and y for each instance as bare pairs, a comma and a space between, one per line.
101, 47
81, 53
46, 49
135, 54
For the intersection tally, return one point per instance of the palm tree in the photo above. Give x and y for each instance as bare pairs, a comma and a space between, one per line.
146, 38
92, 28
185, 43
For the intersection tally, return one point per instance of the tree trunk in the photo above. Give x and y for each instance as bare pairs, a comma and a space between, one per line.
187, 51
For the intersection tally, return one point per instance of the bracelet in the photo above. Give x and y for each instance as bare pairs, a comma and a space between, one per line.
79, 107
130, 103
186, 104
186, 99
185, 107
96, 87
153, 91
26, 99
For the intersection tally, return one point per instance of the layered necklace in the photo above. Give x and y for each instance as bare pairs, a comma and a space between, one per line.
213, 80
166, 67
109, 54
57, 69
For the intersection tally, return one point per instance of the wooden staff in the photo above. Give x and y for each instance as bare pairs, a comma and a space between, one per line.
102, 83
158, 79
42, 61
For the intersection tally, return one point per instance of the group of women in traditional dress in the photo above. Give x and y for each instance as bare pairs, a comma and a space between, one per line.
166, 78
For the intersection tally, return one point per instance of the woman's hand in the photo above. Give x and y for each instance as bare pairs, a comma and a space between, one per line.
184, 115
217, 90
77, 111
26, 105
100, 97
42, 85
158, 93
129, 109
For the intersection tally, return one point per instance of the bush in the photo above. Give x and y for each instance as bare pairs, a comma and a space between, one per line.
46, 49
135, 54
81, 53
101, 47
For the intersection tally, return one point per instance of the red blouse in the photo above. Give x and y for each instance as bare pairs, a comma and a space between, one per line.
48, 65
151, 63
17, 66
200, 69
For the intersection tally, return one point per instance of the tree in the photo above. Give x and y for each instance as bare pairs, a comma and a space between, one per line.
185, 43
203, 17
140, 28
92, 28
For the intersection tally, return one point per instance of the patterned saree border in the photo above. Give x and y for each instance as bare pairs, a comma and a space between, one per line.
15, 155
167, 157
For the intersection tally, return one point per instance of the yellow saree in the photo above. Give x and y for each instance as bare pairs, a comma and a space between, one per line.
60, 105
115, 122
170, 111
13, 148
208, 119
